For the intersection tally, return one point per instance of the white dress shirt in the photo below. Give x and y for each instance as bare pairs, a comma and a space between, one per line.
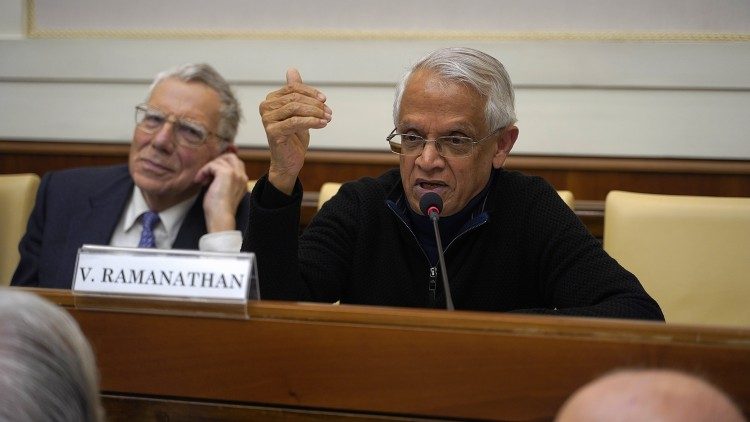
128, 230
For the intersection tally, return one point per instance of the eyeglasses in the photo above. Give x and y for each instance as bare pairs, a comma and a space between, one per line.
447, 146
188, 132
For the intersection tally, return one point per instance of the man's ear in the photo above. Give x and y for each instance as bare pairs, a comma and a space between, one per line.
229, 147
503, 146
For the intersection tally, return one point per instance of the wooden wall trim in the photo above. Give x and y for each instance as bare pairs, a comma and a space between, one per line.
631, 164
670, 165
64, 148
589, 178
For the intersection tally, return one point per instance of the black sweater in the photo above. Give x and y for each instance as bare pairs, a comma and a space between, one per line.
525, 251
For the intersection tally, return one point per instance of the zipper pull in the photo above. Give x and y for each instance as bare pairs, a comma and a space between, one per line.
433, 285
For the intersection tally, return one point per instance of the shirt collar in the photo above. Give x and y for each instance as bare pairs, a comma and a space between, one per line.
171, 218
451, 225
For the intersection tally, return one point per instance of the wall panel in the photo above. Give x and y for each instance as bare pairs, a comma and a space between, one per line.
577, 98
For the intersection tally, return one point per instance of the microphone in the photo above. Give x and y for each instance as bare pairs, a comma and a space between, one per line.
431, 205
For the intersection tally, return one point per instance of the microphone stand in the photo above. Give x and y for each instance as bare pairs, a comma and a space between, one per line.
446, 287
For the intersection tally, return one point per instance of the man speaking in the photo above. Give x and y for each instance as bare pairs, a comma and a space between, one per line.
510, 242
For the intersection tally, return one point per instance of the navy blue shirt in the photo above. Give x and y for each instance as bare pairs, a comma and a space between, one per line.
449, 226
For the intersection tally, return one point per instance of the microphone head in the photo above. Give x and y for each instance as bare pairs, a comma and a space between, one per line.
431, 202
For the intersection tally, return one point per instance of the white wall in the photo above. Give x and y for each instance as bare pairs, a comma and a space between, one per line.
592, 78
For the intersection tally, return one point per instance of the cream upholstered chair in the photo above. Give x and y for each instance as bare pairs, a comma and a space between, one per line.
691, 253
17, 196
567, 197
251, 184
327, 190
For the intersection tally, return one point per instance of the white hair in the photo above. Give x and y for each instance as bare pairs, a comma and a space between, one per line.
47, 369
485, 74
230, 112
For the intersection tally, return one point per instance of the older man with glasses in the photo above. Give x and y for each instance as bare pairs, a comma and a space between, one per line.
511, 243
183, 188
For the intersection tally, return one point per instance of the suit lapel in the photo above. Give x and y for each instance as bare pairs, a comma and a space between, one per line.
97, 221
193, 227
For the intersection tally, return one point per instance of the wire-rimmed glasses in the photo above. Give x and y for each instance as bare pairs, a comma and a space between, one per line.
451, 146
188, 132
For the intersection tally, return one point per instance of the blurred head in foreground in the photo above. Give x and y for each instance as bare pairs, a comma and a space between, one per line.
649, 395
47, 368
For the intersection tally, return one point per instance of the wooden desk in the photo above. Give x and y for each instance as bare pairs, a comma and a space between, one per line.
292, 361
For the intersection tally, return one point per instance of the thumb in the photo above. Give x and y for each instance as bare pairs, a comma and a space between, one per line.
293, 76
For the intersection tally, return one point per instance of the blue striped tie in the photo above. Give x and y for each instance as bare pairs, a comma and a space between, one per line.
149, 219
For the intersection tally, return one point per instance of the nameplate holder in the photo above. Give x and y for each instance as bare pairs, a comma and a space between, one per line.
165, 279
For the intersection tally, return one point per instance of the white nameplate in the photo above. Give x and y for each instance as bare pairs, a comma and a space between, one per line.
166, 272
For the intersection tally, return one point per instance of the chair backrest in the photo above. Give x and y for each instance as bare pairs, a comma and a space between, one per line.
17, 196
691, 253
567, 197
327, 190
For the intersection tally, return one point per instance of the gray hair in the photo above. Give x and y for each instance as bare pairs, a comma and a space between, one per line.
230, 111
485, 74
47, 368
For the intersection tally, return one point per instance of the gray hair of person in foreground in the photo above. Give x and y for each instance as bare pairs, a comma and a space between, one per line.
649, 395
47, 368
230, 111
478, 70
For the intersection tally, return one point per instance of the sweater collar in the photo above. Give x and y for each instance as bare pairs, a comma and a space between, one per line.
396, 199
451, 226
